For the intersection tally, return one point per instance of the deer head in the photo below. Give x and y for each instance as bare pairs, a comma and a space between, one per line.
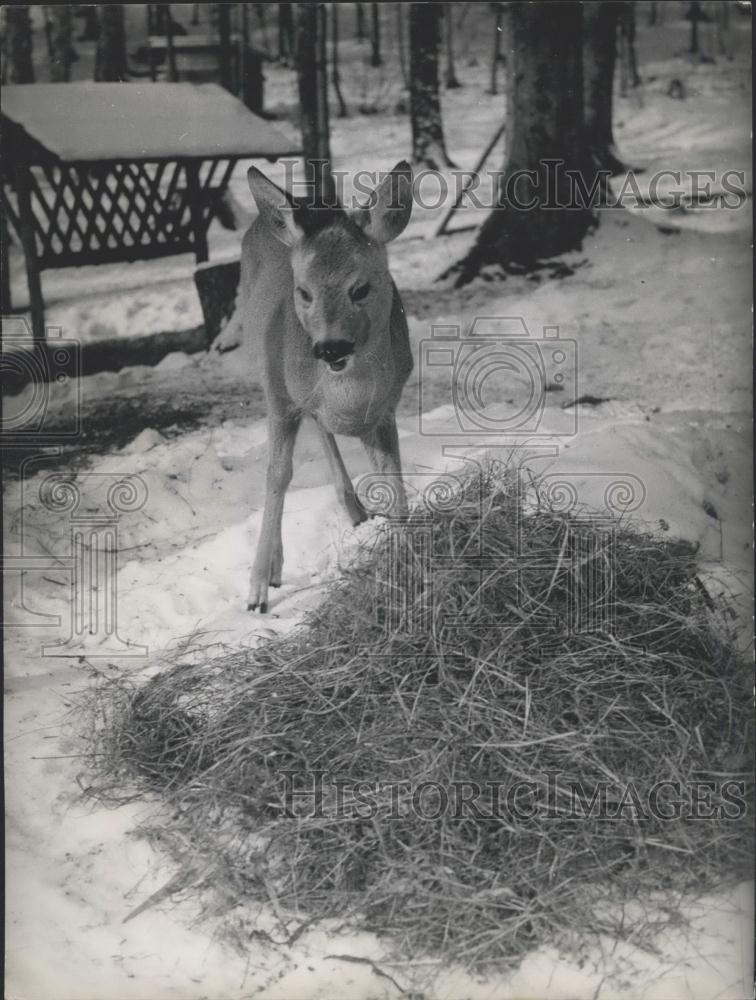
343, 291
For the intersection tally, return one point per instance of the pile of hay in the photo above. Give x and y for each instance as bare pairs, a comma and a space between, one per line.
450, 659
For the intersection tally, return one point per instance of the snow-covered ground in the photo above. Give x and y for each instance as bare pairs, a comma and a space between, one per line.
662, 325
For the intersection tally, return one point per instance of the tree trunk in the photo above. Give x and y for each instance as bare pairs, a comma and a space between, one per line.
170, 52
428, 144
600, 19
262, 20
400, 43
335, 74
694, 16
110, 57
48, 31
223, 17
451, 80
360, 23
375, 36
722, 15
539, 213
90, 29
61, 49
627, 27
17, 54
313, 100
285, 32
493, 88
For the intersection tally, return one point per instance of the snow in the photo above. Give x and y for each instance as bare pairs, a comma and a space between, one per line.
662, 325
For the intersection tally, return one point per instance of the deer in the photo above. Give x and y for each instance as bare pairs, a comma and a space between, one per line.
326, 332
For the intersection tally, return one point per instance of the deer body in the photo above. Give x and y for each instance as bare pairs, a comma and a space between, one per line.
326, 332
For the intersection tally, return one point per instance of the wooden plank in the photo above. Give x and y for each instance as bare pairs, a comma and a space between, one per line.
29, 243
183, 243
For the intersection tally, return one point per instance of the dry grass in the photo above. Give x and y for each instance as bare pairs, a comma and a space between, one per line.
361, 696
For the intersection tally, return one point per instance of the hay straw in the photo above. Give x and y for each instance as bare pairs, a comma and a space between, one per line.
508, 691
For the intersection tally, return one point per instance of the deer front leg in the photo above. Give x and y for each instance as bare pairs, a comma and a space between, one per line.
266, 569
344, 489
382, 446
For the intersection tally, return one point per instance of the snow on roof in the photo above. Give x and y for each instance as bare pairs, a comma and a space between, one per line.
117, 121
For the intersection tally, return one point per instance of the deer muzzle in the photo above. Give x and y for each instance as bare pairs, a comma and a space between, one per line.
333, 352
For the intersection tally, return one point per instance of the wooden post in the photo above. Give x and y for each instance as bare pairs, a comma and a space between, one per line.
29, 243
195, 199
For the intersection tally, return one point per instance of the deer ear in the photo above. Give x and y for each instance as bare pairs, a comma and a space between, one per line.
275, 206
389, 207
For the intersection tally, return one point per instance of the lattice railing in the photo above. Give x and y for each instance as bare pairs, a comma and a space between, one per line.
119, 211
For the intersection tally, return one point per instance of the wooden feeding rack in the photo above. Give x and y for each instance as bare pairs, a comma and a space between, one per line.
95, 173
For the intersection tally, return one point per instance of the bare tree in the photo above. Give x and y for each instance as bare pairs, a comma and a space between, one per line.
627, 31
450, 78
428, 143
400, 43
222, 18
260, 12
335, 73
600, 20
359, 14
110, 57
61, 49
313, 99
17, 46
90, 28
375, 36
722, 16
694, 15
285, 32
547, 155
496, 54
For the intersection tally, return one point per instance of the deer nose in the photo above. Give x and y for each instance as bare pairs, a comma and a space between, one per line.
333, 350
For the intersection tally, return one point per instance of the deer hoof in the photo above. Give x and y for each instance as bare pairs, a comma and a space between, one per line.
258, 596
229, 338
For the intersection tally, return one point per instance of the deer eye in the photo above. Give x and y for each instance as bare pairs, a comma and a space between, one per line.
360, 293
304, 295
